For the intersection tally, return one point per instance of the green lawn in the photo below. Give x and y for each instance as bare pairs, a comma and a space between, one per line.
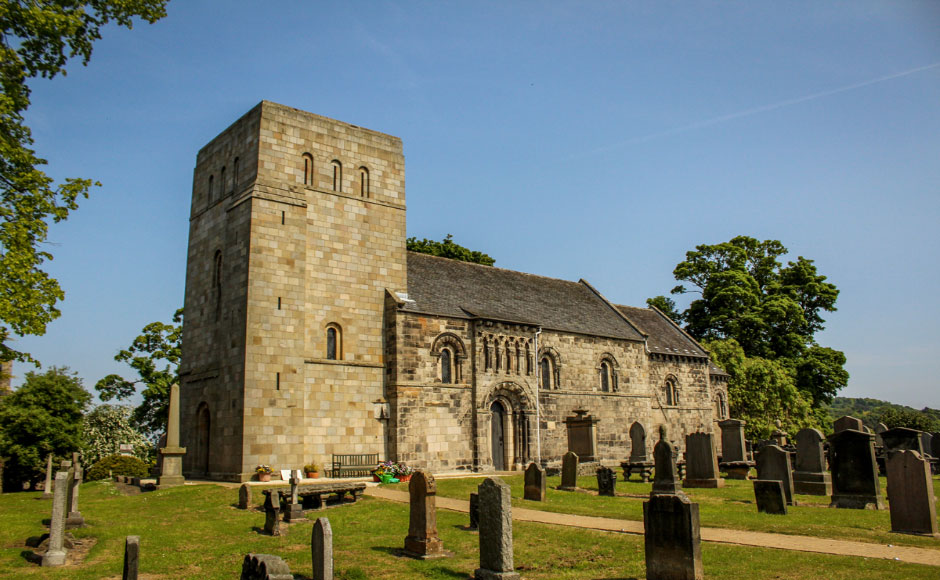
195, 532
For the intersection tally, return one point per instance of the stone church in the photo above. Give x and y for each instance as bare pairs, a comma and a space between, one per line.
311, 331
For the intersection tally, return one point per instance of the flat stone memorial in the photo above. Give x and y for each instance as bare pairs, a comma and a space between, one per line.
496, 558
422, 540
131, 557
773, 464
770, 497
569, 471
910, 494
321, 549
606, 481
810, 476
672, 538
701, 469
854, 471
534, 483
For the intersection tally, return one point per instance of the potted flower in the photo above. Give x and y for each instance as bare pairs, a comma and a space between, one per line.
264, 472
312, 470
404, 472
386, 472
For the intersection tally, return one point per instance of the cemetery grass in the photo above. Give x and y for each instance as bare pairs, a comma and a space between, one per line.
196, 532
729, 507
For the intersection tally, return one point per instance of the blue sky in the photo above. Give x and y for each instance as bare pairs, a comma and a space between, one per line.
600, 140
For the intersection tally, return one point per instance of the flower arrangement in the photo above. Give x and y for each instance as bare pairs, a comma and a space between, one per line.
392, 472
264, 470
312, 468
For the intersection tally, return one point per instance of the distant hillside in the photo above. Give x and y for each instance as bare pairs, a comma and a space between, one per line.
873, 411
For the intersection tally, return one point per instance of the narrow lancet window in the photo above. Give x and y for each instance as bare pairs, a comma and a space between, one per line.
446, 375
337, 175
364, 182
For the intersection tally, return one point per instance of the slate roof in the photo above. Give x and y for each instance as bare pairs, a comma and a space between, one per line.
664, 336
460, 289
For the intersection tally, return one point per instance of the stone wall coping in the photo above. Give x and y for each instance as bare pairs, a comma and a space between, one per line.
345, 363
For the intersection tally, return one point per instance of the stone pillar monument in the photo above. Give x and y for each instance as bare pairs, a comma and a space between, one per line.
172, 473
47, 490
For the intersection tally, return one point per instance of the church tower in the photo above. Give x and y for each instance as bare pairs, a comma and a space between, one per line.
297, 229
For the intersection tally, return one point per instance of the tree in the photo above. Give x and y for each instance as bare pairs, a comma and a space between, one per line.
107, 427
155, 355
38, 40
667, 306
43, 416
446, 248
898, 417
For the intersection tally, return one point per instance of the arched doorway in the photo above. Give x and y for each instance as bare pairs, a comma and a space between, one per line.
498, 435
203, 419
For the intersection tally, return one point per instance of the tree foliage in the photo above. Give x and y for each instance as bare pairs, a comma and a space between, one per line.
107, 427
155, 355
446, 248
38, 40
667, 306
43, 416
899, 417
117, 465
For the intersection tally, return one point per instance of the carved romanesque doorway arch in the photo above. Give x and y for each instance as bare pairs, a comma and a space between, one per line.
203, 419
498, 435
512, 425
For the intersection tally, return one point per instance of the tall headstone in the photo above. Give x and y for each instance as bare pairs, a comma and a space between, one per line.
606, 481
474, 511
321, 549
294, 511
666, 477
846, 422
910, 494
770, 497
854, 471
582, 434
534, 488
131, 557
75, 519
879, 429
569, 471
701, 461
773, 464
638, 443
672, 538
171, 472
244, 497
47, 489
272, 513
496, 559
55, 554
902, 438
734, 459
811, 476
422, 540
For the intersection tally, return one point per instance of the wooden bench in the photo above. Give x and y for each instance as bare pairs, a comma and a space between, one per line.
311, 496
360, 465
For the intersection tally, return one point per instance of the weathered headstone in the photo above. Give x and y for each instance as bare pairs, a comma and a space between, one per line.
606, 481
935, 445
265, 567
321, 549
474, 511
75, 519
47, 489
854, 472
879, 429
131, 557
701, 462
926, 443
171, 472
672, 538
665, 478
810, 476
272, 513
770, 497
582, 434
773, 464
910, 494
55, 554
244, 497
902, 438
496, 558
569, 471
294, 510
846, 422
638, 443
534, 489
422, 540
734, 460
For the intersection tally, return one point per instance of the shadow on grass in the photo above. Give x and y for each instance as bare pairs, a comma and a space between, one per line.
396, 551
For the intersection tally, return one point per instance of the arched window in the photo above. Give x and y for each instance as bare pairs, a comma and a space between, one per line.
222, 181
605, 377
672, 392
446, 361
217, 283
337, 175
545, 372
235, 174
211, 189
364, 182
308, 169
334, 342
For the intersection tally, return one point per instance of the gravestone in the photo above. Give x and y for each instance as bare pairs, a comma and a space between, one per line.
496, 558
773, 464
272, 512
569, 471
321, 549
902, 438
422, 540
672, 538
47, 489
244, 497
534, 483
734, 459
854, 472
935, 445
55, 553
665, 478
582, 434
131, 557
810, 476
770, 497
701, 459
926, 443
294, 511
910, 494
606, 481
638, 443
265, 567
846, 422
171, 471
75, 519
474, 511
879, 429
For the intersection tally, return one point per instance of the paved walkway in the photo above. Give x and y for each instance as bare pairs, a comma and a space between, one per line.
720, 535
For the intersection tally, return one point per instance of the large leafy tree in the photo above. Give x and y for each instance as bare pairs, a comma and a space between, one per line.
44, 415
38, 39
447, 248
106, 428
155, 355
